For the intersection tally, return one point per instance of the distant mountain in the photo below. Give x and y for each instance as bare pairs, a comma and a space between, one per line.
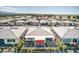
1, 12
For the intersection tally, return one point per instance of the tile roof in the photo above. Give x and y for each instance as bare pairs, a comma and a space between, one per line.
7, 34
40, 32
61, 30
72, 33
16, 30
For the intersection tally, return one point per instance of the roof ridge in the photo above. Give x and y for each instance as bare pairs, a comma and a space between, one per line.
37, 29
13, 33
32, 31
66, 33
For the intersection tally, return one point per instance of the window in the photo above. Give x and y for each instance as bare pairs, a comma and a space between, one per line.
48, 38
50, 42
1, 41
29, 44
67, 40
78, 41
29, 39
13, 40
44, 24
75, 40
10, 40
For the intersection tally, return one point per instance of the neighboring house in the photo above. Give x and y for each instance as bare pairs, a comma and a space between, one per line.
72, 35
19, 31
7, 37
32, 22
19, 22
68, 35
12, 23
19, 17
45, 23
61, 30
10, 35
39, 37
5, 22
56, 23
69, 23
63, 23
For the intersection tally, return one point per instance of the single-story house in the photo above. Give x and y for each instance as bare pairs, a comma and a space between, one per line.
5, 22
71, 36
44, 22
10, 35
69, 23
68, 35
61, 30
56, 23
32, 22
39, 37
19, 22
63, 23
7, 37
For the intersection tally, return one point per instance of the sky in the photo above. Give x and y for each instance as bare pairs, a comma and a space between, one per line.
41, 9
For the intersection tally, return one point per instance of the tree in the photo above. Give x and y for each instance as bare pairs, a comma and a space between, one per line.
20, 44
68, 17
60, 17
77, 17
60, 45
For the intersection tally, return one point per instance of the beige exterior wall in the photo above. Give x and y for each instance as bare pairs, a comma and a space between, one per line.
53, 17
57, 17
64, 17
72, 18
